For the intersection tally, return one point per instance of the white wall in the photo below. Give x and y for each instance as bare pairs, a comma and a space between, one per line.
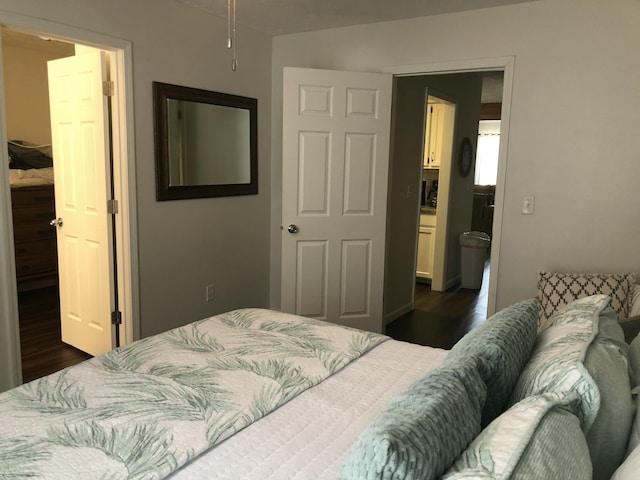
573, 131
187, 244
27, 105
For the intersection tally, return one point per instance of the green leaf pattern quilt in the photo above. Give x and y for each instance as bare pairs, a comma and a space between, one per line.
143, 410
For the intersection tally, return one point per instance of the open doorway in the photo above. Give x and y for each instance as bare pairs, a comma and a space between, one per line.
36, 281
31, 179
44, 264
440, 316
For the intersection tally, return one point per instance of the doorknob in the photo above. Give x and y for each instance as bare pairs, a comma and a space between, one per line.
292, 228
56, 222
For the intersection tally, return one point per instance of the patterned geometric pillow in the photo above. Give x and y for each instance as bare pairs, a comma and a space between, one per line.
558, 289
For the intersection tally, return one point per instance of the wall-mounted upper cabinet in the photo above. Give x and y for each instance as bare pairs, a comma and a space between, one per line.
433, 135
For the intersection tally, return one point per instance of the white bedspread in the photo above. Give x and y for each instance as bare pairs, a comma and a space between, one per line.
141, 411
308, 437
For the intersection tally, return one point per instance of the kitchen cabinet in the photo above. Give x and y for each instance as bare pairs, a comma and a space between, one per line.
426, 250
433, 135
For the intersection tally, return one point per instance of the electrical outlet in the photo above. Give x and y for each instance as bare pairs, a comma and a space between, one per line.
210, 292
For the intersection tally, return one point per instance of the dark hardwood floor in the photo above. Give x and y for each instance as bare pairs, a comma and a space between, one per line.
440, 319
40, 340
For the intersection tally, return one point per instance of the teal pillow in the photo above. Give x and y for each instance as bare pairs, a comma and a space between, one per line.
536, 438
505, 342
581, 349
556, 363
630, 467
634, 361
606, 361
424, 429
634, 434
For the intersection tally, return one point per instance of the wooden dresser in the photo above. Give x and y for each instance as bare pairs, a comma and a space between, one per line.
35, 240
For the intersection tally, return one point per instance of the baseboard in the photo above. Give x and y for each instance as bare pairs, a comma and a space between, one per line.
453, 281
397, 313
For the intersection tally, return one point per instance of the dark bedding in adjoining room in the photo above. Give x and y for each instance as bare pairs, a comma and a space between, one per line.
23, 156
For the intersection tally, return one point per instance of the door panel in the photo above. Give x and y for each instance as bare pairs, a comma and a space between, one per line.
80, 137
314, 159
335, 170
359, 162
356, 278
311, 278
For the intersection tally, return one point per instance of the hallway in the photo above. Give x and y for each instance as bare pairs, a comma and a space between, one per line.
440, 319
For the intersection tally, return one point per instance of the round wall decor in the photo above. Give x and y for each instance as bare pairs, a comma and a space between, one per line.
466, 157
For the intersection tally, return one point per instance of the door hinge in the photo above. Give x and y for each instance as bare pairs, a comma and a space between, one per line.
108, 88
112, 207
116, 317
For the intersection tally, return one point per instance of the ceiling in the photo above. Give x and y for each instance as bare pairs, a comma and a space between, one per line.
305, 15
281, 17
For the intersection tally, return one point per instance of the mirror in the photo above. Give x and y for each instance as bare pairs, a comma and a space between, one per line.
206, 143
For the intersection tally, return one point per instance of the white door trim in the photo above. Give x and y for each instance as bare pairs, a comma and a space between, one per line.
507, 65
124, 186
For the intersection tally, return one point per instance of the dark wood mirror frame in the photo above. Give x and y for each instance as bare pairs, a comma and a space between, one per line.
163, 92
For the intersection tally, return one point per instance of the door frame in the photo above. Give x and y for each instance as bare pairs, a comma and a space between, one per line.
123, 152
506, 65
439, 277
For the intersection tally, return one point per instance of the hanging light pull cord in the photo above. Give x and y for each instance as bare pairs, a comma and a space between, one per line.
231, 32
228, 23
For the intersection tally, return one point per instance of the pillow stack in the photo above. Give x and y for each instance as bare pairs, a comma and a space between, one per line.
424, 429
571, 407
565, 387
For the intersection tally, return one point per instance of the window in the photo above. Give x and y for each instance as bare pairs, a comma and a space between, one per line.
487, 152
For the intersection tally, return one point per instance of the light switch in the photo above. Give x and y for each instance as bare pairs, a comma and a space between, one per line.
528, 202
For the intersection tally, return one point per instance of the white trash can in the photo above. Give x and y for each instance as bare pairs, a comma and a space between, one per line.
473, 246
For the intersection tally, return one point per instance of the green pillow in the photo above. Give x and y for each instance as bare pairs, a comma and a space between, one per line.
631, 465
556, 363
505, 341
581, 349
424, 429
634, 434
634, 361
536, 438
606, 362
629, 468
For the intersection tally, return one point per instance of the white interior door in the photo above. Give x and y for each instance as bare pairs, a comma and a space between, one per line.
80, 137
336, 128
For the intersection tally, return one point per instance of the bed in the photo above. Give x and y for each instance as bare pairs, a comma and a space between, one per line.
86, 421
33, 206
260, 394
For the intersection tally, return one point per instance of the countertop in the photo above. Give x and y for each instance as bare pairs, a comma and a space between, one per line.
426, 210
